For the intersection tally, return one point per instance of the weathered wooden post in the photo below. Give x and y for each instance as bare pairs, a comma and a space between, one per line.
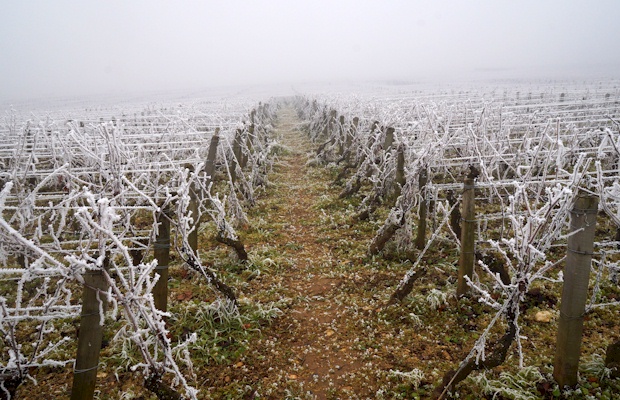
90, 335
162, 255
575, 289
324, 130
400, 168
331, 122
369, 143
236, 149
468, 232
250, 138
209, 170
399, 179
455, 214
266, 110
420, 240
211, 156
389, 139
192, 209
253, 115
342, 135
352, 132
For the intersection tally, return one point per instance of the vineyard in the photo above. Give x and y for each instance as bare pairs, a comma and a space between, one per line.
398, 242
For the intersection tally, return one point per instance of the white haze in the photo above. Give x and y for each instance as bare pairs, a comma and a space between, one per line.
63, 48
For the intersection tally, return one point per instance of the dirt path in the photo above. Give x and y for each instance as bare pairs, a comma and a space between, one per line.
320, 357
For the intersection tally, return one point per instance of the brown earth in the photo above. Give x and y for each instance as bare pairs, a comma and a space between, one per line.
319, 337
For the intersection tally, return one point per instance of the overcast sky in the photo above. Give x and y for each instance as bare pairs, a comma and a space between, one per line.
86, 47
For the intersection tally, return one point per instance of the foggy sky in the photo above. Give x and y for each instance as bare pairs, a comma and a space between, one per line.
58, 48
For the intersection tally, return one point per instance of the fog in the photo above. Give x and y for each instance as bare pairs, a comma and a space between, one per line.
65, 48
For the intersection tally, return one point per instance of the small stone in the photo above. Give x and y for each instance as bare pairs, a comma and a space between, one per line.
543, 316
329, 332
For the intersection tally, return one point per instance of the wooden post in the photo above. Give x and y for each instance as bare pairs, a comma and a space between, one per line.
245, 157
468, 232
455, 214
211, 156
342, 134
162, 255
389, 139
330, 123
325, 127
90, 335
192, 237
420, 240
399, 179
400, 168
352, 132
266, 111
370, 142
575, 289
236, 148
